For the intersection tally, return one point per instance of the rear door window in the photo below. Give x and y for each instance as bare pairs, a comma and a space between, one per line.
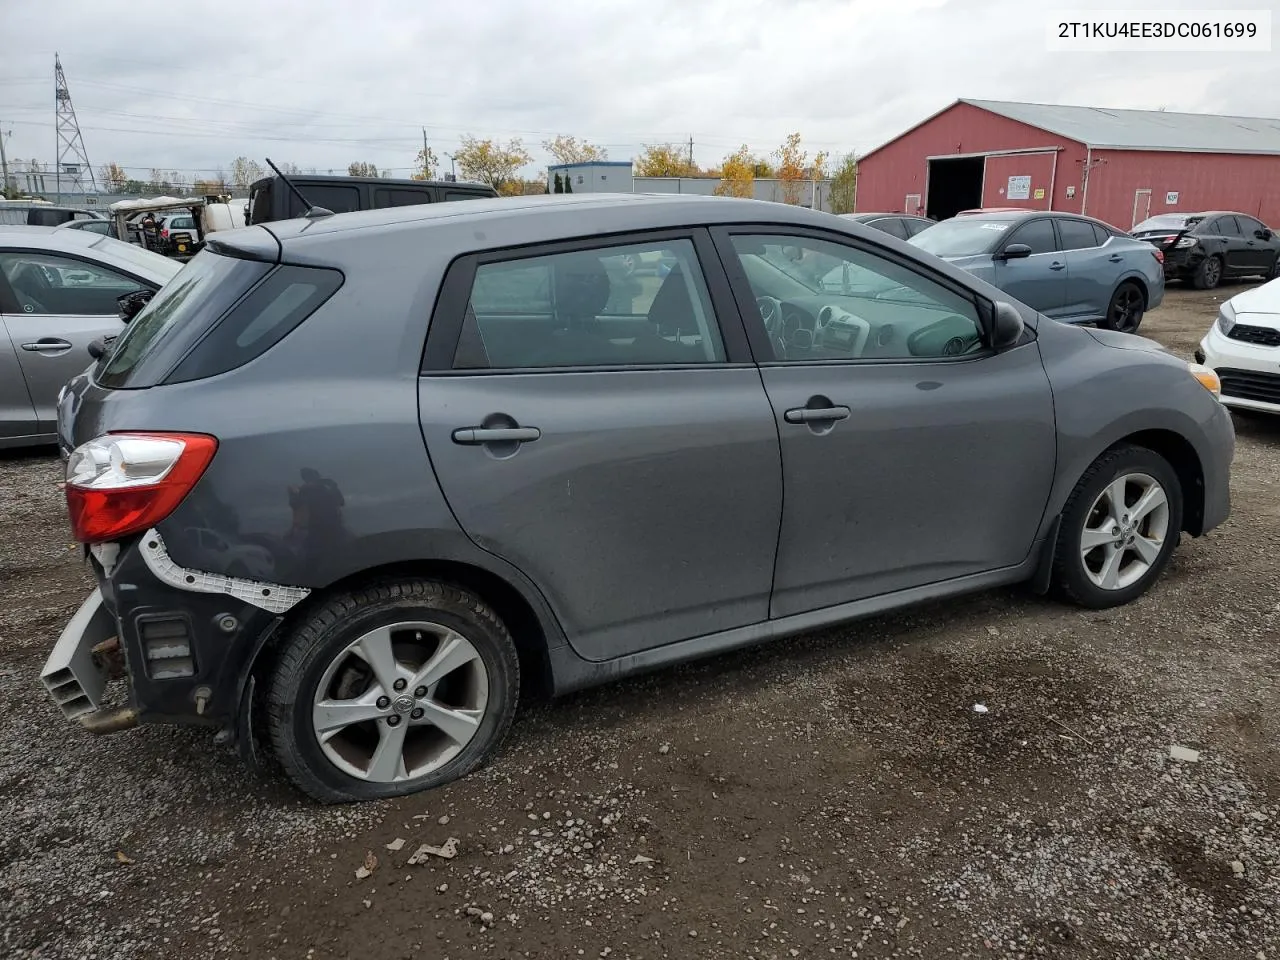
460, 195
260, 204
399, 197
890, 225
1077, 234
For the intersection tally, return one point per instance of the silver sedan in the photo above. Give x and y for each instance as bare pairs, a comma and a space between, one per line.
58, 293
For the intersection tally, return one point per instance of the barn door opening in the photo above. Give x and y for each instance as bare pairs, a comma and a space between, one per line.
955, 184
1141, 206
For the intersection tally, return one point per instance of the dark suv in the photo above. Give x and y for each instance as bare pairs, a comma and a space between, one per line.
270, 199
345, 481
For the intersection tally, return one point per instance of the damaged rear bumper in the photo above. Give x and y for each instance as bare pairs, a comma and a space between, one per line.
76, 673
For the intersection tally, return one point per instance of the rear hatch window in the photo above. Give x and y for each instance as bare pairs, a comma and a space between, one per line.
160, 335
217, 314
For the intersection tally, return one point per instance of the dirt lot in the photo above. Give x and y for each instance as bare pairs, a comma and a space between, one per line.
835, 795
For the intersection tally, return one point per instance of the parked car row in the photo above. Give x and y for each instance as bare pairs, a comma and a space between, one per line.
530, 458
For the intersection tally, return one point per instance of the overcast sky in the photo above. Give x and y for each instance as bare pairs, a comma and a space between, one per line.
321, 83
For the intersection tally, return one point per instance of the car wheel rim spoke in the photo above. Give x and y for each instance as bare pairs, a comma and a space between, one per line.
400, 701
458, 725
1125, 530
332, 716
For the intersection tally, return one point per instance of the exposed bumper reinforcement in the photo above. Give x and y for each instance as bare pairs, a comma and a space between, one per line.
70, 674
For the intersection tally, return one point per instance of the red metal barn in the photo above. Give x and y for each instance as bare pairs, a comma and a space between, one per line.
1120, 166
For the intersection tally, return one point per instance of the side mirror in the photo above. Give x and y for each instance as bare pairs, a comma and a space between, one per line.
1008, 326
131, 304
1014, 251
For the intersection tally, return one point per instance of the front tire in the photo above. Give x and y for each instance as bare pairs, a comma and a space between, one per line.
1126, 309
1119, 527
391, 689
1209, 274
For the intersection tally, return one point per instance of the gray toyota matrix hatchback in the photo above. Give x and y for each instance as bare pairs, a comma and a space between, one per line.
345, 480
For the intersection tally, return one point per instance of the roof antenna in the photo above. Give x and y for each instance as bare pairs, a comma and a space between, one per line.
312, 212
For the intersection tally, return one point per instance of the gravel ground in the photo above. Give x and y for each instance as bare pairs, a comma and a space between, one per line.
832, 795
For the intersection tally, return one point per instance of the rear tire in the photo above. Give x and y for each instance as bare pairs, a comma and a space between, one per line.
340, 736
1119, 527
1209, 274
1127, 307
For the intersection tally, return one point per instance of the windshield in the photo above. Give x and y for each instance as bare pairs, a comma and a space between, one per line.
962, 237
145, 261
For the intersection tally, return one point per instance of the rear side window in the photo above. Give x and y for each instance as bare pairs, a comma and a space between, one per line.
49, 218
392, 197
260, 204
1101, 234
175, 318
336, 197
262, 319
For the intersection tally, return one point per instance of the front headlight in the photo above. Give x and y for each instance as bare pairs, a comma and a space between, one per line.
1208, 379
1226, 317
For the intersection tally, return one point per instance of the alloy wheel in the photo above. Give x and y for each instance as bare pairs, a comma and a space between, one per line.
400, 701
1126, 309
1212, 272
1124, 531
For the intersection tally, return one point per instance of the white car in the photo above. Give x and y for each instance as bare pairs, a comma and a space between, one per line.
1243, 348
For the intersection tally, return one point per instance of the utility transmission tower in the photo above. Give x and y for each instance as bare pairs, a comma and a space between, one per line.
73, 159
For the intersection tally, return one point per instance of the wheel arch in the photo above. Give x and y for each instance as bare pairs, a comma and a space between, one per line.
529, 621
1181, 456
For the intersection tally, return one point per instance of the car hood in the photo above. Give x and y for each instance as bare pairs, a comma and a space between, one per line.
1263, 299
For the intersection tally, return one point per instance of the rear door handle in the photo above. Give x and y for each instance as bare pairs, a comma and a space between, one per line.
473, 436
816, 414
1056, 265
1115, 258
47, 345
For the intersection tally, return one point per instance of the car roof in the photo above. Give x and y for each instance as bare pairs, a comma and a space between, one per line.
530, 219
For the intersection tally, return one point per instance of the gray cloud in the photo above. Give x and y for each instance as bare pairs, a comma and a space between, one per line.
327, 82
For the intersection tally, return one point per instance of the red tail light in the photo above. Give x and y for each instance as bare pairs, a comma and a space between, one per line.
164, 232
123, 483
1159, 255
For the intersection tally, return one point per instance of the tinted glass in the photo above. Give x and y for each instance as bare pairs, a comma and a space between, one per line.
1249, 225
612, 306
457, 195
1100, 234
1076, 234
962, 237
914, 226
46, 284
1226, 226
872, 308
182, 223
260, 203
40, 217
333, 196
177, 316
890, 225
275, 307
1037, 234
400, 197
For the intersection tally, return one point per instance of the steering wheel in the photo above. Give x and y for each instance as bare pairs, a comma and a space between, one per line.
771, 313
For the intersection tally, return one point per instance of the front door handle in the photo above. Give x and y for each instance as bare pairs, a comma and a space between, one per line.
1056, 265
816, 414
474, 436
47, 345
